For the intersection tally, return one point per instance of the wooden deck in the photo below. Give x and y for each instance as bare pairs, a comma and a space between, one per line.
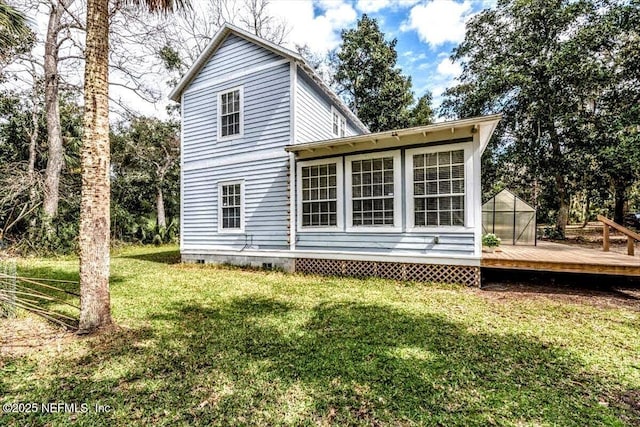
549, 256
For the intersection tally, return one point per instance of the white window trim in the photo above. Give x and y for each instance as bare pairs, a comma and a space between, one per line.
397, 193
339, 195
240, 89
242, 205
468, 188
342, 123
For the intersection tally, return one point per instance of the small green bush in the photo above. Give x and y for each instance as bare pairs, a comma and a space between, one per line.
490, 240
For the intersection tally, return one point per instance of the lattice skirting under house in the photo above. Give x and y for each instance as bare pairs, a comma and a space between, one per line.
437, 273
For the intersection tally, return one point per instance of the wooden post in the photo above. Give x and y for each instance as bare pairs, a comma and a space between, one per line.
632, 236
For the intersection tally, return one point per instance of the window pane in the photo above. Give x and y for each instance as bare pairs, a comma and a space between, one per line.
457, 156
444, 158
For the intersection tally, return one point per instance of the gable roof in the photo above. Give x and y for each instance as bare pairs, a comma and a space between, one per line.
228, 29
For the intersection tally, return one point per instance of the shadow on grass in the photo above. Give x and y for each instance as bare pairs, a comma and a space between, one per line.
257, 361
164, 257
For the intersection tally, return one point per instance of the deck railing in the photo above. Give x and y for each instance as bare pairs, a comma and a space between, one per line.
631, 235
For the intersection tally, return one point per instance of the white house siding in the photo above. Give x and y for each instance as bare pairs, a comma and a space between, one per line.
313, 118
234, 55
257, 157
266, 217
414, 243
266, 116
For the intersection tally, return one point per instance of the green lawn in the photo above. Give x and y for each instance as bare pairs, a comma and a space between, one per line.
200, 345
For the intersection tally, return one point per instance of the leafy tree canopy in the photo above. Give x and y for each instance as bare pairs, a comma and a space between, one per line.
366, 75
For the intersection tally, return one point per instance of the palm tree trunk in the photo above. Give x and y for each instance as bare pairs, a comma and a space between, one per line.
95, 310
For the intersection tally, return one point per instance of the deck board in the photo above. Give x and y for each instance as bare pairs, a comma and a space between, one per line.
548, 256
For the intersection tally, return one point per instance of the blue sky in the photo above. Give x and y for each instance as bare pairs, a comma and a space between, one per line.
427, 31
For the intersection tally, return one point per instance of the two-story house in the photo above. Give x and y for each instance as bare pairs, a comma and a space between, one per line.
277, 172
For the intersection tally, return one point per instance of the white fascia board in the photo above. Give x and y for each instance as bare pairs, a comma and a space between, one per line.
485, 132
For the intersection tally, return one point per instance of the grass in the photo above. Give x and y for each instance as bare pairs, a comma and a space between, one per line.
203, 345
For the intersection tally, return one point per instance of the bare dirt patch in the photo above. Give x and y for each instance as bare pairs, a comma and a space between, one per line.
622, 297
24, 335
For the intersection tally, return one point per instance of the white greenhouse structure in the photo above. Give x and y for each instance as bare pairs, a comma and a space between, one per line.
510, 218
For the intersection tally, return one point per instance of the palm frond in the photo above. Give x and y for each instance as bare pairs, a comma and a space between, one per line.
13, 25
161, 6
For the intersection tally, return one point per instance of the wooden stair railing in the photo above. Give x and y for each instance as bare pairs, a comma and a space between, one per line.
631, 235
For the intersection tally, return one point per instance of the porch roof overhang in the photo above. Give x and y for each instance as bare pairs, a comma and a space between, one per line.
437, 133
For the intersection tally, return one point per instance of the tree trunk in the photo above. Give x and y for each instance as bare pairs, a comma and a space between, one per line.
95, 199
620, 199
561, 187
55, 159
587, 207
33, 140
162, 220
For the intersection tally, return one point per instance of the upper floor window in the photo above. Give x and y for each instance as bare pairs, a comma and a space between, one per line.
437, 190
339, 123
231, 206
230, 113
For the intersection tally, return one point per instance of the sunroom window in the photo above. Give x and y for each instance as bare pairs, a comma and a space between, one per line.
319, 195
438, 188
372, 191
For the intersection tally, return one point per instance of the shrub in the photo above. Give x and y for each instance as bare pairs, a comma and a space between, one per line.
490, 240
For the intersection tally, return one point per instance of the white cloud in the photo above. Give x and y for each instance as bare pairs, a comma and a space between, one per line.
448, 68
322, 32
372, 6
439, 21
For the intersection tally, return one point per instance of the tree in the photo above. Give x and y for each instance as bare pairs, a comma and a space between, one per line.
146, 154
422, 112
366, 75
55, 158
94, 234
528, 60
615, 105
181, 41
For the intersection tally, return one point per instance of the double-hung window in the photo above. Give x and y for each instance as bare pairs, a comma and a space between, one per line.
231, 207
373, 191
339, 124
436, 187
320, 194
230, 113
